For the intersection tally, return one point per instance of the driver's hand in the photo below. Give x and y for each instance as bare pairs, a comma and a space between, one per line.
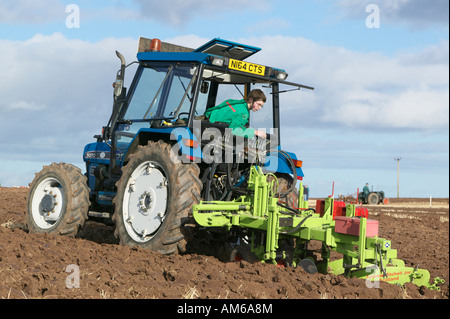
261, 134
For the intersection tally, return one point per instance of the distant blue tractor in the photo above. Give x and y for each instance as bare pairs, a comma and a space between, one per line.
159, 155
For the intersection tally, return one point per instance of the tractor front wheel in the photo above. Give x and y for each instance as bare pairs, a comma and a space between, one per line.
154, 197
58, 200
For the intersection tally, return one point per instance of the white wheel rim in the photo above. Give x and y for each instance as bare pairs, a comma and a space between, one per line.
47, 203
145, 201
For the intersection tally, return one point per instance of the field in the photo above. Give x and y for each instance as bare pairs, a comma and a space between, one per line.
93, 265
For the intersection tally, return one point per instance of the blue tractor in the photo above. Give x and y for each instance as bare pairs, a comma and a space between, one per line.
158, 155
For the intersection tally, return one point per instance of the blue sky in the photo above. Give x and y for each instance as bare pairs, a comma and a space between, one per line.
380, 92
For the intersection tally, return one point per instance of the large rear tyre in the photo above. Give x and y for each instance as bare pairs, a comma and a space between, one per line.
58, 200
373, 199
154, 198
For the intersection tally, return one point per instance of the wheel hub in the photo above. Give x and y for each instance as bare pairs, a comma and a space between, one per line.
48, 203
145, 202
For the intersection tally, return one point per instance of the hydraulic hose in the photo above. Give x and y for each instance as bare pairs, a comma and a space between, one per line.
293, 230
291, 163
293, 209
279, 195
230, 186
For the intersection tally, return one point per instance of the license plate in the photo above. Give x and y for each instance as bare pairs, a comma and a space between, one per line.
247, 67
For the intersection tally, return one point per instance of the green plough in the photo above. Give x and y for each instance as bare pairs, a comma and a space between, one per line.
277, 233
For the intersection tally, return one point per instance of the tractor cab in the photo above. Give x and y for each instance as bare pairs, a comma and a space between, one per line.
167, 99
186, 84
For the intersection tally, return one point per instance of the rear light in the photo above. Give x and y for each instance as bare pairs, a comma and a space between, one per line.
297, 163
190, 143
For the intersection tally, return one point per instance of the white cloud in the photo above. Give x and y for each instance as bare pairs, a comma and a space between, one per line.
25, 105
434, 54
422, 109
57, 91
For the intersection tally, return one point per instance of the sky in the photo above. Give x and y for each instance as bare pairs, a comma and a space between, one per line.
380, 70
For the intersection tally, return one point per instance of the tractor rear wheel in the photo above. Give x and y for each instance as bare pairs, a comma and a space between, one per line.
373, 199
154, 198
58, 200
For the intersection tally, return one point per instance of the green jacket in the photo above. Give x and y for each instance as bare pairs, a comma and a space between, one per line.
366, 190
233, 112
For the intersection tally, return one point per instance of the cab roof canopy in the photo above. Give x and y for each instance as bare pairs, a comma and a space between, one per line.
211, 52
216, 47
228, 49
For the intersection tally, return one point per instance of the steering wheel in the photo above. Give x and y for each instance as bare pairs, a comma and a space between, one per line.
179, 115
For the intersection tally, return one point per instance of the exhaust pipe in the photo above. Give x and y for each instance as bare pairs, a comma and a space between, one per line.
118, 85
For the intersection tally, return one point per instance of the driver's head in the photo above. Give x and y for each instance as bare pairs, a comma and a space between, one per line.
256, 99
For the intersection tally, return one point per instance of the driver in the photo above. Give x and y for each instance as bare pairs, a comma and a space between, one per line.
236, 113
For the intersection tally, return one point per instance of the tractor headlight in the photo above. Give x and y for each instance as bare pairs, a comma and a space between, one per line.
217, 61
281, 75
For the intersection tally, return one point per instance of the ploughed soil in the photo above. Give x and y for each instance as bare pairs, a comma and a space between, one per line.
93, 265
